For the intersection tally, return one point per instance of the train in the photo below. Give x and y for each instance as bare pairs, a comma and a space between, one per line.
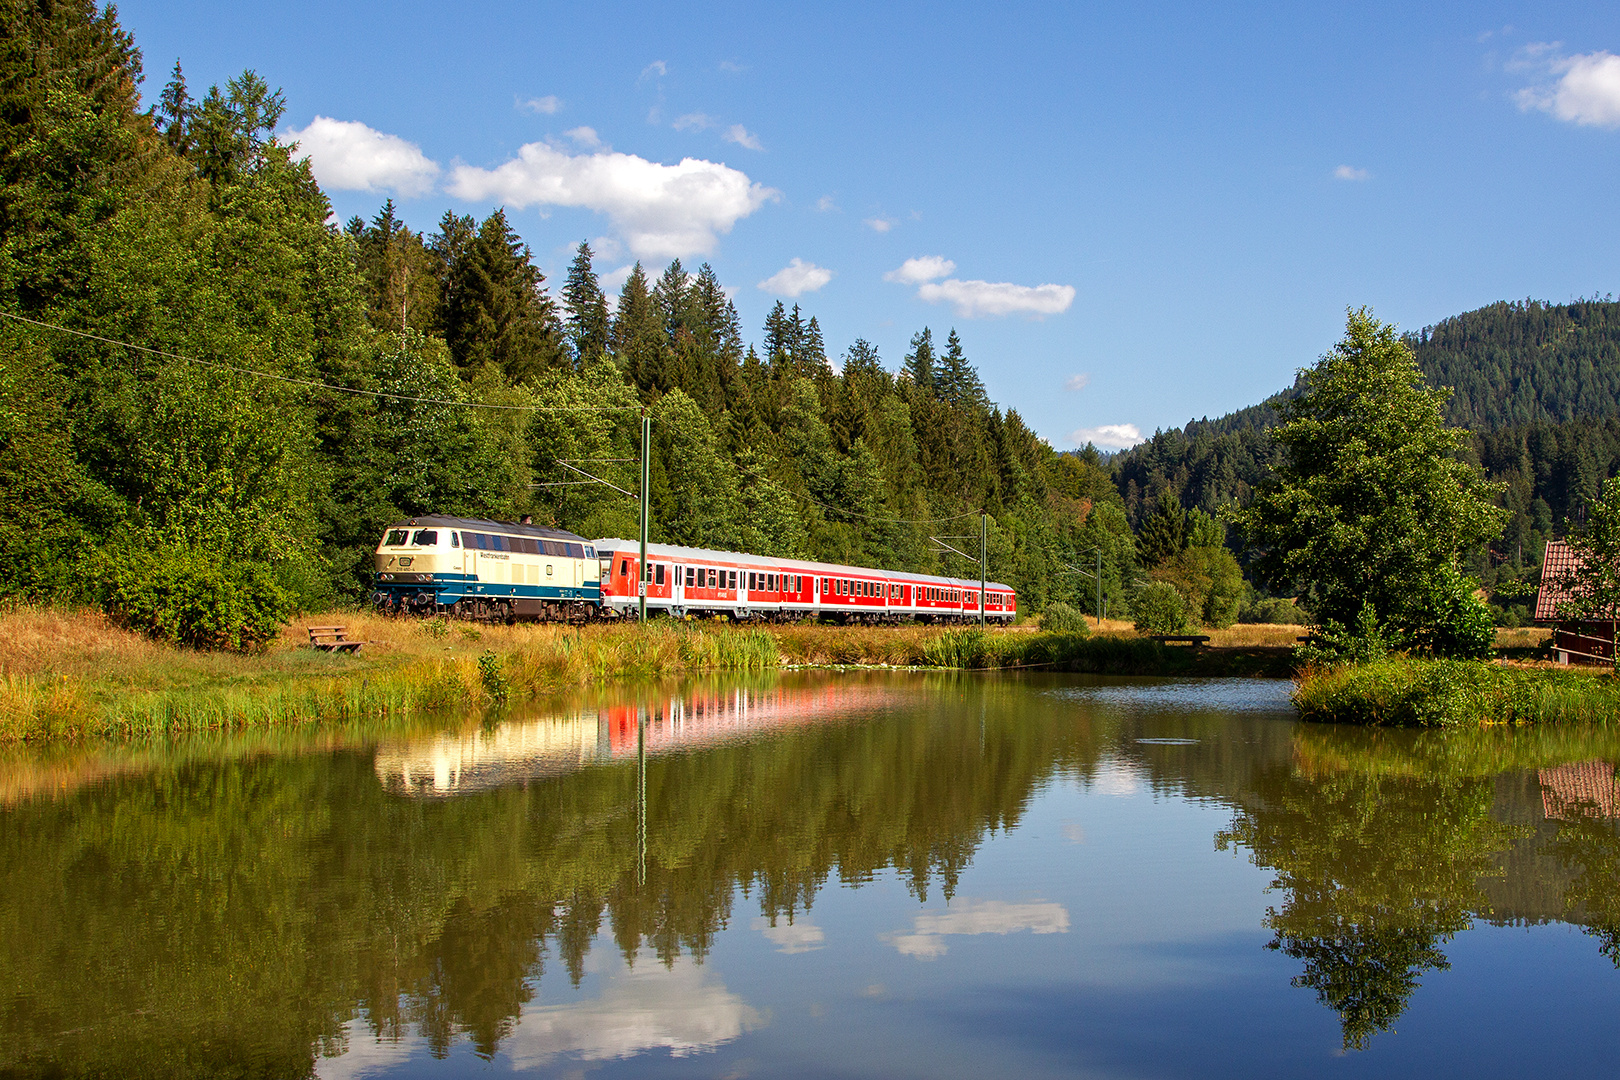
498, 571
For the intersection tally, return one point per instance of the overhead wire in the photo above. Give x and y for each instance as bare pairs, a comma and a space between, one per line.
316, 383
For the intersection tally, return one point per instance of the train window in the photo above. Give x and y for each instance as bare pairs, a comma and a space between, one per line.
733, 584
624, 567
397, 538
455, 540
425, 538
770, 582
713, 575
690, 576
660, 575
752, 584
590, 553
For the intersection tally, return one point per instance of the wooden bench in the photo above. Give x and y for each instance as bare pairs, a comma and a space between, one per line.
333, 639
1197, 641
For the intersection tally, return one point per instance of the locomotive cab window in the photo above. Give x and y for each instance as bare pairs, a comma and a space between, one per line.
425, 538
624, 567
397, 538
455, 540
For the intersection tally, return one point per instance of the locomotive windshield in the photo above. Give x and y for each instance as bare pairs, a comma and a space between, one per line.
397, 538
426, 538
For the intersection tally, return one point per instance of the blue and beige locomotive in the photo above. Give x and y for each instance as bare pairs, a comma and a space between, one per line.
487, 570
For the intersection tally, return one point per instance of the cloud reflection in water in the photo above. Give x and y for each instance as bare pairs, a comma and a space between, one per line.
926, 941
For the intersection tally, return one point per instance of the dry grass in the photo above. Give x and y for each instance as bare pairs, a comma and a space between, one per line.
1523, 637
1257, 635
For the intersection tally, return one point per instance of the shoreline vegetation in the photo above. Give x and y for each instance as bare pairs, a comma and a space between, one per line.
1406, 691
68, 673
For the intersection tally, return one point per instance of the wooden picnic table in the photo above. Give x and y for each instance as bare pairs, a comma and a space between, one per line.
333, 639
1197, 641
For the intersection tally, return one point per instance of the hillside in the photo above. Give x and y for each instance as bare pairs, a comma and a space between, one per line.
1526, 361
1537, 383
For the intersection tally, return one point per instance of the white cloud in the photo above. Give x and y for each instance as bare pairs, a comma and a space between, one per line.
1586, 92
732, 66
682, 1009
926, 940
661, 211
1108, 436
1077, 382
826, 203
547, 105
657, 67
349, 156
744, 138
693, 122
796, 278
795, 937
1350, 172
980, 299
922, 268
585, 136
879, 224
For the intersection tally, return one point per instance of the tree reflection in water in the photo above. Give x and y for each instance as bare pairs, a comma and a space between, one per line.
1391, 843
246, 906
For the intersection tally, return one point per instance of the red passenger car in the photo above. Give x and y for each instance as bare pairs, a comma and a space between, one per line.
683, 581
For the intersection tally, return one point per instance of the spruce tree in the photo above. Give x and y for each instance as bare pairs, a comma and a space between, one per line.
956, 380
587, 307
919, 366
172, 113
638, 333
498, 311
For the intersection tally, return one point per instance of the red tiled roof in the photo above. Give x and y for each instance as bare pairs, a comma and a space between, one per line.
1561, 561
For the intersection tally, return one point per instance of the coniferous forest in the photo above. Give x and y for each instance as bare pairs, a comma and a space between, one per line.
251, 385
263, 388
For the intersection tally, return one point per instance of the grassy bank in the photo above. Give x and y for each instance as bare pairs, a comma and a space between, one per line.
1437, 693
70, 673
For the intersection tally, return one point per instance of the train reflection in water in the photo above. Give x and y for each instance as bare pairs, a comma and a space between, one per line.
519, 751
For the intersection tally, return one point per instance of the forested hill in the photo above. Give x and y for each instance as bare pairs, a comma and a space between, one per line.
1517, 363
1538, 385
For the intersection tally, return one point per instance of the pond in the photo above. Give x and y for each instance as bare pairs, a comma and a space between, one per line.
819, 874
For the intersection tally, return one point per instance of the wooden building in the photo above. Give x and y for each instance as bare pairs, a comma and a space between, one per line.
1574, 641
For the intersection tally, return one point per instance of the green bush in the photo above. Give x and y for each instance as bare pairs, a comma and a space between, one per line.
1459, 624
1064, 619
1160, 609
187, 596
1273, 609
492, 673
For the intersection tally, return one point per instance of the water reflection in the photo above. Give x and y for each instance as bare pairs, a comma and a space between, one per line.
651, 875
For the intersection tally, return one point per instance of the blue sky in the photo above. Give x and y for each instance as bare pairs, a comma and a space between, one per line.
1134, 215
